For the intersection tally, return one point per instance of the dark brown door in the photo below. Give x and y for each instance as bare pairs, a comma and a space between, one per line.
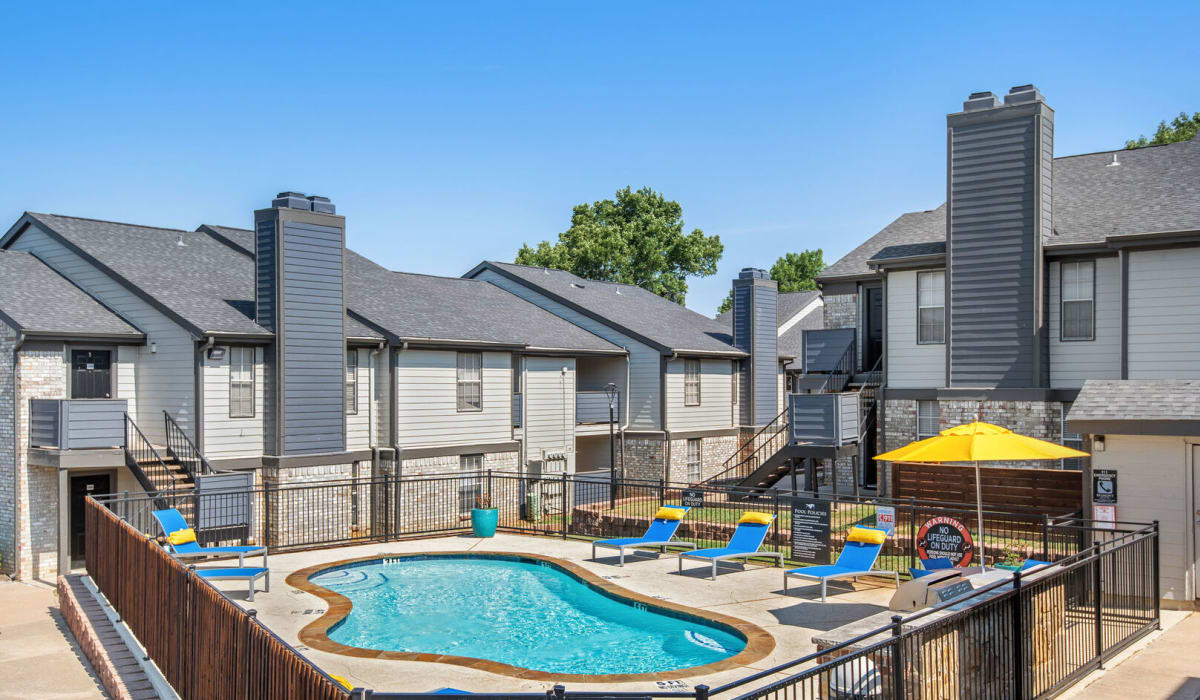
91, 374
874, 328
83, 486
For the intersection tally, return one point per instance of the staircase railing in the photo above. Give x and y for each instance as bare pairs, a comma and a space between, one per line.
139, 452
181, 447
844, 369
868, 413
768, 440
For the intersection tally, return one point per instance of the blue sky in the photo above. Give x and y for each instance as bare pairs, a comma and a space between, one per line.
450, 132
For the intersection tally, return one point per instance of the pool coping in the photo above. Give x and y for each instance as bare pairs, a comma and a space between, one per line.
759, 642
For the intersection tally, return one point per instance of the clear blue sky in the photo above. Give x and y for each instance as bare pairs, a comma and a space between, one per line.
452, 132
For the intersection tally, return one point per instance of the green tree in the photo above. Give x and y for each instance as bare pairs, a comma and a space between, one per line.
795, 272
1181, 128
636, 239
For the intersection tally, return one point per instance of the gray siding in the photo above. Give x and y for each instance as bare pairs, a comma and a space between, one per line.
1164, 316
823, 348
264, 269
909, 365
426, 400
765, 356
1073, 361
550, 408
164, 368
358, 425
830, 419
224, 436
126, 376
77, 424
716, 396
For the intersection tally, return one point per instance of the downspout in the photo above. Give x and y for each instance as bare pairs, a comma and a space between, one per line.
392, 420
666, 432
198, 420
372, 438
16, 455
625, 422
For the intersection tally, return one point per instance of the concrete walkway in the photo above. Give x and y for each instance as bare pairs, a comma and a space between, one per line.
1167, 668
38, 656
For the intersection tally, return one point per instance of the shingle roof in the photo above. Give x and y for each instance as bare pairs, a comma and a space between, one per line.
790, 303
627, 308
791, 343
1153, 189
39, 300
1137, 399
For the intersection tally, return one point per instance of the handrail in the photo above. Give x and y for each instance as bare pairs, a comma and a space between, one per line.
138, 451
779, 424
843, 368
181, 447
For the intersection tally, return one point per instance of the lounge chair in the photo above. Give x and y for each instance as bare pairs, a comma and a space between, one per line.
863, 545
659, 534
930, 565
171, 522
250, 574
751, 530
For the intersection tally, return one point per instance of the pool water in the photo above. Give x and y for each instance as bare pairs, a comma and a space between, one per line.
515, 611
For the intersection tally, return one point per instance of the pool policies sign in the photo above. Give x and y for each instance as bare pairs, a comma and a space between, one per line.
810, 530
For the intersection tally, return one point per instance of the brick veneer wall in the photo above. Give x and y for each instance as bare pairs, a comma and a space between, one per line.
8, 486
644, 458
841, 310
713, 453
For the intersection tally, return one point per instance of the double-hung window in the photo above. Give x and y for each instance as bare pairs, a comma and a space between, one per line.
693, 460
928, 419
352, 383
469, 487
1078, 300
241, 382
931, 307
470, 381
691, 382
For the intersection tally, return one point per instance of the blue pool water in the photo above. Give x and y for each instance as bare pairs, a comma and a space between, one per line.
517, 612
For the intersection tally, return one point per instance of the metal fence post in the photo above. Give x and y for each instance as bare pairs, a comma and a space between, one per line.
662, 493
560, 692
1157, 601
912, 532
565, 515
702, 692
897, 657
1045, 537
1018, 642
267, 515
1096, 594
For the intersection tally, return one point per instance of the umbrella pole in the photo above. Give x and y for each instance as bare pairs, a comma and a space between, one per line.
979, 514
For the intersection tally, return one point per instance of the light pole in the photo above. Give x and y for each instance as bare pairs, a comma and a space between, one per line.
611, 391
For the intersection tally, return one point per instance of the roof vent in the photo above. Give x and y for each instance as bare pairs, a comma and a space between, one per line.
1114, 162
291, 200
180, 242
577, 285
981, 100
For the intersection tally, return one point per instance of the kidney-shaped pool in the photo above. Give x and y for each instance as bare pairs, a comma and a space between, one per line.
518, 611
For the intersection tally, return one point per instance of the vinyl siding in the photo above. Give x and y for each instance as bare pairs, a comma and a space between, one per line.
550, 407
127, 376
1074, 361
381, 397
716, 396
1164, 317
358, 426
224, 436
426, 400
645, 411
165, 379
909, 365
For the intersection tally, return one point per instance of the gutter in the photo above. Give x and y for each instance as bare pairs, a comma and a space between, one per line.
16, 454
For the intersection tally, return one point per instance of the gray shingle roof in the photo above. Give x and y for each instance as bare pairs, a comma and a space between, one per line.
628, 308
1137, 399
791, 343
1153, 189
789, 304
39, 300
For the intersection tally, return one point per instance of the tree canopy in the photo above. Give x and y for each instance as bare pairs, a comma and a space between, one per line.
794, 272
1181, 128
637, 239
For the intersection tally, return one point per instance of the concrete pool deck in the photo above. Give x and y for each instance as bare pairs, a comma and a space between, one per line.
753, 595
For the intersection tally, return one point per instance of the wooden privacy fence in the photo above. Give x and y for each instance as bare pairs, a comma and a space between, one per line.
204, 644
1049, 491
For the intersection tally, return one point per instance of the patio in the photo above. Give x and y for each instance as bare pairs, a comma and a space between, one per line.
753, 595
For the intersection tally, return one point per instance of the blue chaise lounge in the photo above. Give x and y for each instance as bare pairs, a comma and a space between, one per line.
662, 529
751, 530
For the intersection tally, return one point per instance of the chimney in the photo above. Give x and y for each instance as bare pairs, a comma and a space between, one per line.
300, 245
755, 297
999, 179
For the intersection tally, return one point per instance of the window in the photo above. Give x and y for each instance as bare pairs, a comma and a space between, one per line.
693, 460
928, 419
931, 308
691, 382
1078, 303
470, 381
352, 383
241, 382
1069, 439
469, 488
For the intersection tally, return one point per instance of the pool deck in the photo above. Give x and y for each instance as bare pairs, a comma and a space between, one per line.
754, 595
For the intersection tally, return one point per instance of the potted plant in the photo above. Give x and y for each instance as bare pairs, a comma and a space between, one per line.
484, 517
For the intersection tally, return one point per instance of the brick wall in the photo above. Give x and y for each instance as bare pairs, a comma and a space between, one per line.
644, 458
713, 453
841, 310
8, 486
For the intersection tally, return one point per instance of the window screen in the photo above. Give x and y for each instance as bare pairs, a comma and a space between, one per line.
470, 381
1078, 304
241, 382
928, 419
691, 382
352, 382
693, 460
931, 307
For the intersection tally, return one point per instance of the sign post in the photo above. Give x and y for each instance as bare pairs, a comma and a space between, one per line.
810, 530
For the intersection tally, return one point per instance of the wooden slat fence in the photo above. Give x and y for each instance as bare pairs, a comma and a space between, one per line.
1049, 491
205, 645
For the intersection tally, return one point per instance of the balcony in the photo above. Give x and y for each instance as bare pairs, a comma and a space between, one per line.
823, 419
80, 433
591, 407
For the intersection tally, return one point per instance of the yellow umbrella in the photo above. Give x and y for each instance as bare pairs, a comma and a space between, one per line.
979, 442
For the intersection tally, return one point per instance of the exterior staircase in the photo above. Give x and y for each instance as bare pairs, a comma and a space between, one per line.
169, 471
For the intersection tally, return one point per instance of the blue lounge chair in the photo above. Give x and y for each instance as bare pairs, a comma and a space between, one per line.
659, 535
1033, 564
856, 559
931, 564
744, 543
170, 520
250, 574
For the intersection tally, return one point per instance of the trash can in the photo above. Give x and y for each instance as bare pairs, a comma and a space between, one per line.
533, 506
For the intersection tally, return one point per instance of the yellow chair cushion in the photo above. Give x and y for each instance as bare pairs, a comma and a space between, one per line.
667, 513
866, 536
182, 536
345, 683
754, 516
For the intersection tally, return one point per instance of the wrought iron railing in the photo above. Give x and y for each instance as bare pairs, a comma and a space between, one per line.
768, 440
181, 447
841, 372
146, 463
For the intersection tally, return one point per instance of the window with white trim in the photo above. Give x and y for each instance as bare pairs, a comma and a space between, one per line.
241, 382
470, 381
693, 461
352, 382
691, 382
931, 307
469, 488
1072, 440
1078, 286
928, 419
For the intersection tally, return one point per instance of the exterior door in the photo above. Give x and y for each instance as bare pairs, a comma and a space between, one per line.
91, 374
873, 328
81, 487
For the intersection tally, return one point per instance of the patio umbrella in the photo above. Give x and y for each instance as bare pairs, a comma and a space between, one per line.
979, 442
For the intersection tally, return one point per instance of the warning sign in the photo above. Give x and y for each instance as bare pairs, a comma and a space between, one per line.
943, 537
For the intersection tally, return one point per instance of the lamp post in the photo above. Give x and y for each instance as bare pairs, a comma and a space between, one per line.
611, 391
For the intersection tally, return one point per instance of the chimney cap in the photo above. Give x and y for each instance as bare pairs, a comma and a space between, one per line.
1023, 94
977, 101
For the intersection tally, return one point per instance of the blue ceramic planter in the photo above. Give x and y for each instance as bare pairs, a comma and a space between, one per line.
483, 521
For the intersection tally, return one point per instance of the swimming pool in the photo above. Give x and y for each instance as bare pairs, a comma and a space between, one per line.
517, 611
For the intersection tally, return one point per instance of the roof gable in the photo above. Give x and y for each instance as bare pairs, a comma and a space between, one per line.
36, 300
